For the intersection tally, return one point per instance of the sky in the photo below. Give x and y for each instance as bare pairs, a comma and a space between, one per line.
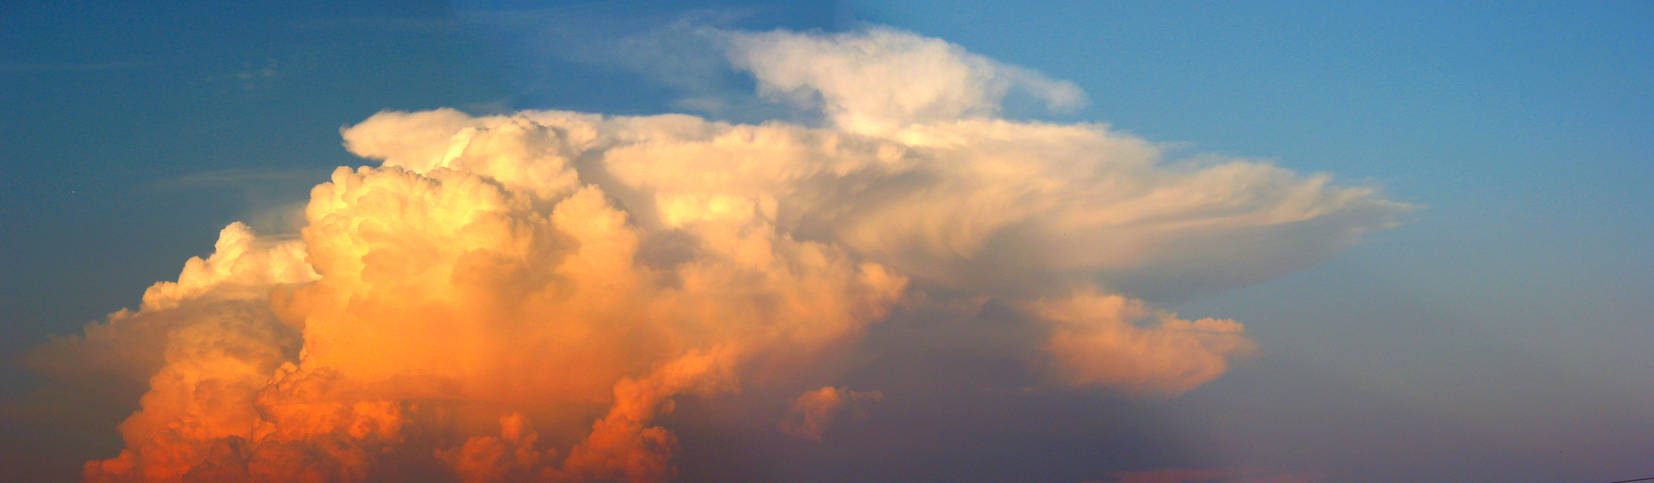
880, 241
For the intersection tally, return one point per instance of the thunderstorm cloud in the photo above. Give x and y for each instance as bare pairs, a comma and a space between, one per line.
528, 296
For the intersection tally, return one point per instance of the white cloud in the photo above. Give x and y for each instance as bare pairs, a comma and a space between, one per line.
878, 80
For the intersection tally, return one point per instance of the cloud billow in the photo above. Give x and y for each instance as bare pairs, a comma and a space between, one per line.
522, 297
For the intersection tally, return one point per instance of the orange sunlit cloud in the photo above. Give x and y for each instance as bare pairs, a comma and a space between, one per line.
813, 411
522, 297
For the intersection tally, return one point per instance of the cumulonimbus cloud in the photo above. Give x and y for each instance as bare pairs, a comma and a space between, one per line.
523, 296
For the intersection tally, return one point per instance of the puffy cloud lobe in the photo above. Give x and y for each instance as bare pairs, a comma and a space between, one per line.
217, 340
976, 204
522, 297
227, 290
242, 266
877, 80
510, 456
446, 286
1114, 341
812, 412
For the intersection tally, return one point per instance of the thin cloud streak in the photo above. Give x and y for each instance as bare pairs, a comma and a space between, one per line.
74, 67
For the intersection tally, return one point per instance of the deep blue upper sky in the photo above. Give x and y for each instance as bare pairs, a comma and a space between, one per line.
1514, 307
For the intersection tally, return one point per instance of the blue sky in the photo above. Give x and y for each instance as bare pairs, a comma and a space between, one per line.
1501, 333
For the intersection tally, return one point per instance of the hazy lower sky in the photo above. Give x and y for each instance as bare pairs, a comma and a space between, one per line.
897, 241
